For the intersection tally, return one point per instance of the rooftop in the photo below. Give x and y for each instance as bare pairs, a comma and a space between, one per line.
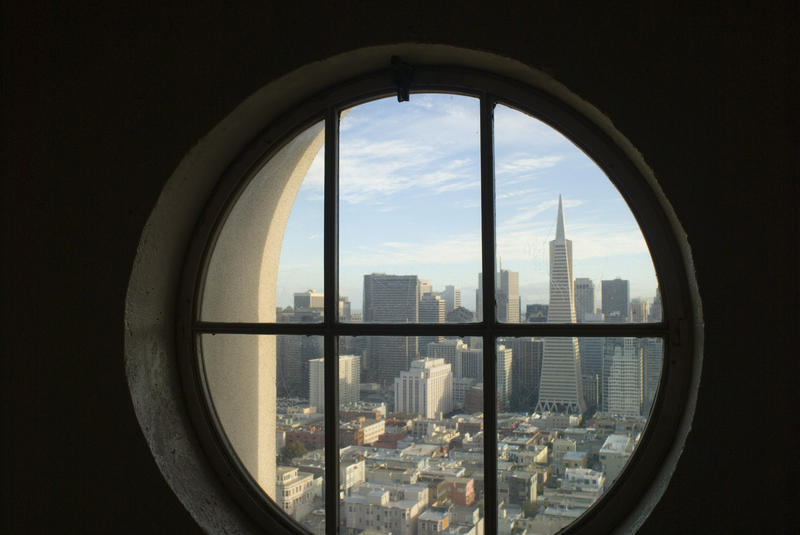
617, 444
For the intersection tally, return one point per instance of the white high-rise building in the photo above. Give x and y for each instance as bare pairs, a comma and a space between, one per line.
450, 351
431, 310
349, 380
503, 370
623, 370
508, 303
639, 310
561, 387
452, 298
506, 296
425, 287
426, 388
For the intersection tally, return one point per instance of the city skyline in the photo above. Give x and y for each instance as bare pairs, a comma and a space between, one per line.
407, 168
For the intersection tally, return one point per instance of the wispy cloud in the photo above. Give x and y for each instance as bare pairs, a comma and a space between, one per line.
527, 164
444, 250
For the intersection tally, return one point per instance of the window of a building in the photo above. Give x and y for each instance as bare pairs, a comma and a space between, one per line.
340, 347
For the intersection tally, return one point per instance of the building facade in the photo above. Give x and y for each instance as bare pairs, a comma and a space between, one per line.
390, 299
584, 298
426, 388
622, 383
526, 371
507, 296
431, 310
452, 298
349, 381
503, 371
616, 295
451, 351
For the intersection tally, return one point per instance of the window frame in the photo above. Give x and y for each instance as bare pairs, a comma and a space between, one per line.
674, 329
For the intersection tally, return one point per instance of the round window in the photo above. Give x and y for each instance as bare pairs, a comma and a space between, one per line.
433, 299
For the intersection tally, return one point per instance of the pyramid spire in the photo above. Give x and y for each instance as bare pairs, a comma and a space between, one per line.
560, 221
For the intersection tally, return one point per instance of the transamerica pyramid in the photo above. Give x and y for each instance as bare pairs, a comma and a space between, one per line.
560, 389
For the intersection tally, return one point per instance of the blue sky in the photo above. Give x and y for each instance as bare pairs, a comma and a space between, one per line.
409, 203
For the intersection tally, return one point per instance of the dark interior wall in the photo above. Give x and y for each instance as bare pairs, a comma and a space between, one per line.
101, 102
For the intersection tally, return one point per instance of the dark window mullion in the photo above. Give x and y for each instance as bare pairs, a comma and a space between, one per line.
513, 330
488, 311
331, 289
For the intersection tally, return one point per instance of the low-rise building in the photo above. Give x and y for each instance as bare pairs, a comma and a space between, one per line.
560, 447
360, 431
352, 471
384, 507
295, 491
434, 521
614, 454
584, 479
362, 409
575, 459
462, 490
517, 487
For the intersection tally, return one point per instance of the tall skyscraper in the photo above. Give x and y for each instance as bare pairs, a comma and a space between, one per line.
584, 298
452, 298
472, 363
616, 300
431, 310
425, 287
561, 387
309, 299
622, 381
503, 370
508, 304
450, 351
293, 355
591, 350
506, 296
639, 310
349, 380
426, 388
390, 299
344, 308
526, 370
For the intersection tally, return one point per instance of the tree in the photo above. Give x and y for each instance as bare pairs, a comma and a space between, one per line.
530, 508
292, 450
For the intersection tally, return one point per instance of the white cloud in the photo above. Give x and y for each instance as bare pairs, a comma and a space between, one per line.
525, 164
446, 250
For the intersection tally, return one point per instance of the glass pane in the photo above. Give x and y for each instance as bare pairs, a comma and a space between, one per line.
409, 222
267, 262
568, 422
568, 247
412, 448
267, 392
